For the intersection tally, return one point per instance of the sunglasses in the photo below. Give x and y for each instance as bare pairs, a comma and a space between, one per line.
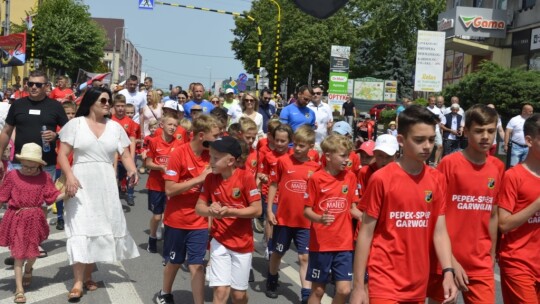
317, 93
38, 85
104, 100
249, 100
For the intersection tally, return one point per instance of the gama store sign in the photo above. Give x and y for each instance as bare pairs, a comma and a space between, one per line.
474, 22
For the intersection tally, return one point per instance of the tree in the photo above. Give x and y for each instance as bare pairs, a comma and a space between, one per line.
396, 67
506, 88
67, 38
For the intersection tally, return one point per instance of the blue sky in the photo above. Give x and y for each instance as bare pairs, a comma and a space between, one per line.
180, 30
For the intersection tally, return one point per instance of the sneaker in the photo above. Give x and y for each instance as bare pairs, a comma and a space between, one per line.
130, 201
304, 301
152, 245
258, 225
164, 299
60, 224
9, 261
271, 289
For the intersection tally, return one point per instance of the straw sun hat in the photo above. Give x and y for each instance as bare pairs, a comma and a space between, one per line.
31, 152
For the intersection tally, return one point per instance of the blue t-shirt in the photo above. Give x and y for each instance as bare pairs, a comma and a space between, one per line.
206, 105
295, 116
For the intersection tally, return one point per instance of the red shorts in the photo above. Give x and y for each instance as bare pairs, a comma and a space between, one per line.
481, 290
385, 301
520, 288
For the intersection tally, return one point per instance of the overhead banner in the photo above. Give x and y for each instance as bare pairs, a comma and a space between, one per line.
429, 61
339, 76
13, 50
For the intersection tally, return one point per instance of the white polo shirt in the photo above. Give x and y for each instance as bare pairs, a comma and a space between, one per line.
138, 99
323, 115
516, 125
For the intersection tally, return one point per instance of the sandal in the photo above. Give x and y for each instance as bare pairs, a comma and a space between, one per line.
42, 253
27, 278
75, 295
90, 285
19, 297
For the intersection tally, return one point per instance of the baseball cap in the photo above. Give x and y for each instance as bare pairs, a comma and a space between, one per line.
367, 147
225, 144
342, 127
229, 91
386, 143
171, 104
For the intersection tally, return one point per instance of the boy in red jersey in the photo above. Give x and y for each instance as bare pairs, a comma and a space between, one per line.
235, 200
282, 136
519, 221
248, 133
171, 108
290, 176
157, 158
403, 215
186, 233
131, 127
353, 164
473, 180
328, 202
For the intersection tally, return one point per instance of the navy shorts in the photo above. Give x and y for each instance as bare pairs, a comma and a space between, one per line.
320, 264
156, 201
283, 235
181, 242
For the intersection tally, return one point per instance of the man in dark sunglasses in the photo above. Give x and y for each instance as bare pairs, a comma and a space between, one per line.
266, 108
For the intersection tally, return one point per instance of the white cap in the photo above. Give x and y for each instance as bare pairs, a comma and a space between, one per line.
229, 90
171, 104
387, 143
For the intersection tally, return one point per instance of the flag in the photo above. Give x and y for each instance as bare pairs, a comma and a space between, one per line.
29, 23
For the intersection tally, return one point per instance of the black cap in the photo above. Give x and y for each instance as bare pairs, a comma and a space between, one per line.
225, 144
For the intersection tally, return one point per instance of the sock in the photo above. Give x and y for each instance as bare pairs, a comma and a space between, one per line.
304, 293
269, 245
272, 277
162, 293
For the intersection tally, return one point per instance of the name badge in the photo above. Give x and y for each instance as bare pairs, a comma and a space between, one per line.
35, 112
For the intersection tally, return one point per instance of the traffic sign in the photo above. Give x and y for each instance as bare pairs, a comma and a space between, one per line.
146, 4
241, 86
242, 78
232, 83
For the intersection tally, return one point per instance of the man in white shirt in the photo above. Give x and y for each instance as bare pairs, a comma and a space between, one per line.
438, 136
323, 116
133, 96
454, 100
514, 136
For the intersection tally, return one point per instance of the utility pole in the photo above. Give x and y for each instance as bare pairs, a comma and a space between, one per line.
5, 70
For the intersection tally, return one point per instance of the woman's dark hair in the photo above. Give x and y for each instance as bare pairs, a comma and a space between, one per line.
90, 97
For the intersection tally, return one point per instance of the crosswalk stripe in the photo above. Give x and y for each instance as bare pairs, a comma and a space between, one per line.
60, 235
59, 258
48, 292
118, 286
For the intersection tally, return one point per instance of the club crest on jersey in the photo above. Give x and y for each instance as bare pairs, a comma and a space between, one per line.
309, 174
307, 115
349, 163
126, 126
254, 163
345, 189
491, 182
236, 192
179, 136
429, 196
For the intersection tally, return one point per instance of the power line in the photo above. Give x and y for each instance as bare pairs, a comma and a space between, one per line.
189, 54
184, 75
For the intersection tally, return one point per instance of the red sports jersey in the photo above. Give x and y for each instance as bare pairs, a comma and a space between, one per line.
335, 195
180, 209
363, 177
238, 192
268, 164
180, 134
519, 247
58, 94
128, 124
159, 151
313, 155
353, 164
470, 196
406, 208
252, 161
291, 177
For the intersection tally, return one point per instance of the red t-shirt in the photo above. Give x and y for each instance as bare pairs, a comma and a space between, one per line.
268, 164
336, 195
128, 124
406, 208
313, 155
57, 94
180, 209
179, 134
252, 161
238, 191
159, 151
291, 177
363, 177
353, 164
470, 196
20, 94
519, 247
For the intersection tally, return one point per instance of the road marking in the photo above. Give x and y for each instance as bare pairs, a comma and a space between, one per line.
53, 237
59, 258
497, 277
118, 285
48, 292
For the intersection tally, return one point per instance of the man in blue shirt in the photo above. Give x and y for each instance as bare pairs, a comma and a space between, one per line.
266, 109
298, 114
198, 93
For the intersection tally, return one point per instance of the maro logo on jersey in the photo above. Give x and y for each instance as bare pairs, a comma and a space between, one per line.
491, 183
296, 186
428, 196
236, 193
162, 159
334, 205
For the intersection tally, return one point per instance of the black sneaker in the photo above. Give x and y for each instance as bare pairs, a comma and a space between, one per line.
164, 299
60, 224
271, 289
130, 201
152, 245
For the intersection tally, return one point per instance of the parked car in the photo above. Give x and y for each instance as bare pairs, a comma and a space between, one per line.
376, 110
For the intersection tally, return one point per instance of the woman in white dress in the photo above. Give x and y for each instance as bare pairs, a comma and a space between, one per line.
95, 223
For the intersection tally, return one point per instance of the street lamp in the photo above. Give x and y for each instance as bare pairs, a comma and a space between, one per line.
114, 53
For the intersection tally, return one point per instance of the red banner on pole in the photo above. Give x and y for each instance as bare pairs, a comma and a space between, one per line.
13, 50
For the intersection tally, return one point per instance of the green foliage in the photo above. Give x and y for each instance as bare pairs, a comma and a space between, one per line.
67, 38
387, 115
421, 101
507, 89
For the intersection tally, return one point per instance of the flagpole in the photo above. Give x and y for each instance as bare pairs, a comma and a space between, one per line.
6, 33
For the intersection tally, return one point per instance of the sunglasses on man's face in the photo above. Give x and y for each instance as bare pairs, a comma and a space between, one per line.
38, 85
104, 101
317, 93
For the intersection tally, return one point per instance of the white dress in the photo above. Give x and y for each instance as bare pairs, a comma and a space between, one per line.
95, 223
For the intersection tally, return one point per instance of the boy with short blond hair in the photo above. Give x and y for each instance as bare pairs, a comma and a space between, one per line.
290, 176
328, 204
248, 133
235, 200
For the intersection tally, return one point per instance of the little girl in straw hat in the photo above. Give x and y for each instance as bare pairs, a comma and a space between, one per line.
24, 225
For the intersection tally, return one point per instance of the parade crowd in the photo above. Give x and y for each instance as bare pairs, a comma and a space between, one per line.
422, 211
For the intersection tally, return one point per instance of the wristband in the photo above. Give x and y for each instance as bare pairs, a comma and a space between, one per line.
449, 269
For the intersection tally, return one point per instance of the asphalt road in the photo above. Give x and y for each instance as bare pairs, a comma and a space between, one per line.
138, 280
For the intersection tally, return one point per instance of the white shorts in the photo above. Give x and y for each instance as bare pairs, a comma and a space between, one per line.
228, 268
438, 139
